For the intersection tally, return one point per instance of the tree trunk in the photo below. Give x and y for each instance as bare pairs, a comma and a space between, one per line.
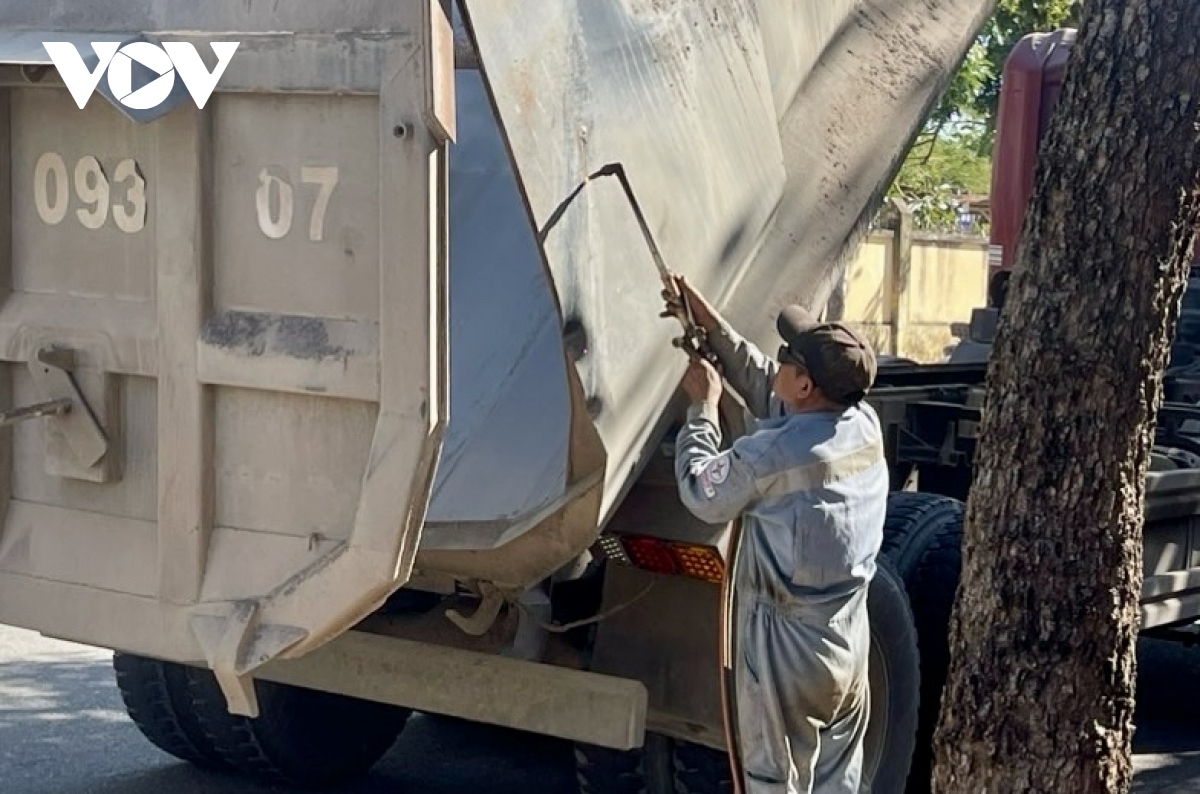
1040, 690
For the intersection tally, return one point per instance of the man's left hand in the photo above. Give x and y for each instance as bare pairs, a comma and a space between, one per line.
702, 383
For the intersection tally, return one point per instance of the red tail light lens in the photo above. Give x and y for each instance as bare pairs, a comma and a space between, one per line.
669, 557
650, 554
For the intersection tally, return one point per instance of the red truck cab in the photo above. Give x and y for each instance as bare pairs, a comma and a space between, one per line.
1030, 86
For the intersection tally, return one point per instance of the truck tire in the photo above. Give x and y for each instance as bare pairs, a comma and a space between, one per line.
932, 590
701, 770
913, 518
157, 699
923, 540
302, 738
895, 679
646, 770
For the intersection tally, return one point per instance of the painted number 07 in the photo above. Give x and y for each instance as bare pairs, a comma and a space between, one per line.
276, 201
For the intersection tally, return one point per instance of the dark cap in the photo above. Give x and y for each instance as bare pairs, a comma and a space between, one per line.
840, 362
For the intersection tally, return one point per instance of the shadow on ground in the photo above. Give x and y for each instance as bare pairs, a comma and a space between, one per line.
433, 756
63, 730
1167, 743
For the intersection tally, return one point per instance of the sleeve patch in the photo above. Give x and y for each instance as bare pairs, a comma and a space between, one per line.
714, 474
719, 470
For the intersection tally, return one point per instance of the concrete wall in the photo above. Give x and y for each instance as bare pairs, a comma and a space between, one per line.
905, 290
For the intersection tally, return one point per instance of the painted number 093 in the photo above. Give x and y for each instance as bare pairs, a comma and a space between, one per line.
52, 193
276, 201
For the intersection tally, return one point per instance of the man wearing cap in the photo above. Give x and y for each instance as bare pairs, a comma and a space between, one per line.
811, 485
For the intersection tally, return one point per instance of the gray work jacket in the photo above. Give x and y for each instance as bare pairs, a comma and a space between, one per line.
812, 488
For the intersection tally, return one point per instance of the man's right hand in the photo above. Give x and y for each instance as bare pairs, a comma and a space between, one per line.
702, 311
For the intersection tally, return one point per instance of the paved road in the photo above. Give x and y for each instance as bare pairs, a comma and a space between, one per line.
63, 731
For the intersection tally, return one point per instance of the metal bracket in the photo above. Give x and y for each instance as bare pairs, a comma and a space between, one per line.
224, 648
480, 623
74, 431
238, 643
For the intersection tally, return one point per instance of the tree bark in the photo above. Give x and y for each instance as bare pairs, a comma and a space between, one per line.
1040, 690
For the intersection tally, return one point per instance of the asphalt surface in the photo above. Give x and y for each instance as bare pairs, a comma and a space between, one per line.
63, 730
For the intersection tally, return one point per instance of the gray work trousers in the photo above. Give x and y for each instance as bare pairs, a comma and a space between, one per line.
802, 699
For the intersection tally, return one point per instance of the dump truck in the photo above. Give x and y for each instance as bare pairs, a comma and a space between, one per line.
334, 387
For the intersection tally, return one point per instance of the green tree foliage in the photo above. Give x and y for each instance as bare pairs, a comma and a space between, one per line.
975, 92
952, 155
941, 171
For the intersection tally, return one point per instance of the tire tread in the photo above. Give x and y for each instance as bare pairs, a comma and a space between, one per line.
302, 738
701, 770
601, 770
159, 703
923, 538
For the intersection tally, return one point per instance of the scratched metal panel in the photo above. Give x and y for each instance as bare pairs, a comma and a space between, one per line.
679, 93
844, 129
505, 453
756, 135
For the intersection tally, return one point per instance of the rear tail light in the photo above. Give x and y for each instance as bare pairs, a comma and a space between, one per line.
700, 562
666, 556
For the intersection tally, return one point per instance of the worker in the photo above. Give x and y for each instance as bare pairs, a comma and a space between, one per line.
811, 485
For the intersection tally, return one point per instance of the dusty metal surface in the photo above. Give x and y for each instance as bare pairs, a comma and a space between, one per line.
756, 135
475, 686
505, 454
521, 474
254, 298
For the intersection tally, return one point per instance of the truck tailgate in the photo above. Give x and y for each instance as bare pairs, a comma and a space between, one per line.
245, 306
